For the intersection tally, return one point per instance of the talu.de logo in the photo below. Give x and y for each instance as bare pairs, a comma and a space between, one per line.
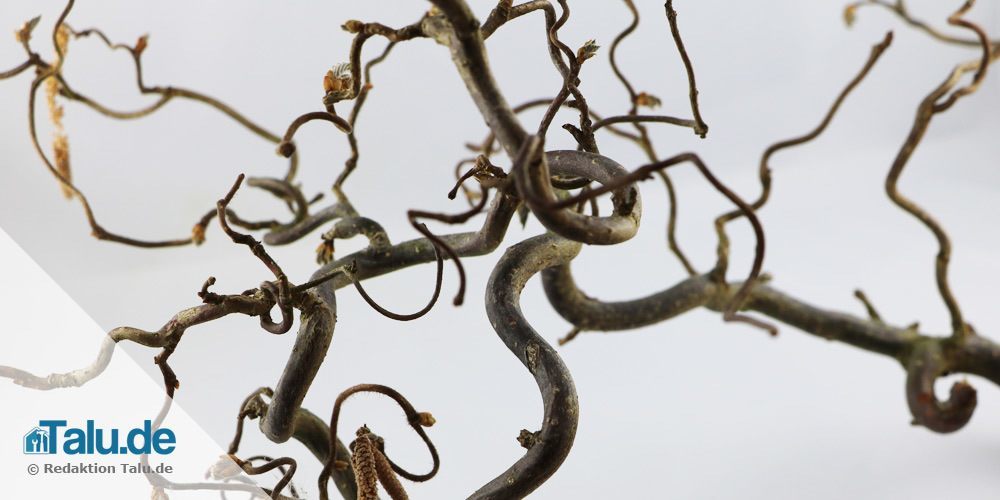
55, 436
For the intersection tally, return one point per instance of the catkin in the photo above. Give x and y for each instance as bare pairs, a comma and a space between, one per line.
363, 462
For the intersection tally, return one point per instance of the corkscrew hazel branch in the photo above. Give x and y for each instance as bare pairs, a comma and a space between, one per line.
97, 230
765, 167
451, 23
292, 233
165, 94
287, 192
584, 135
282, 469
457, 28
927, 362
700, 127
350, 227
643, 140
956, 20
488, 145
560, 405
52, 72
938, 100
282, 462
682, 122
898, 7
439, 243
280, 292
309, 429
506, 11
396, 316
731, 312
532, 171
869, 308
352, 161
287, 148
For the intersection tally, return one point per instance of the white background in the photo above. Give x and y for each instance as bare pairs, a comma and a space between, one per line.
690, 408
121, 398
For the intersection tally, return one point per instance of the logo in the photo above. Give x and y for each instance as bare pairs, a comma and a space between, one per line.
36, 442
46, 439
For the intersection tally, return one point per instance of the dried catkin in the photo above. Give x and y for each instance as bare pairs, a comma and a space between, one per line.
388, 478
365, 468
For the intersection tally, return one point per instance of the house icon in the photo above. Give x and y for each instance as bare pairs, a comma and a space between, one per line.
36, 442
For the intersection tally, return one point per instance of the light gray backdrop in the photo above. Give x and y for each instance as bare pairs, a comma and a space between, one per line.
690, 408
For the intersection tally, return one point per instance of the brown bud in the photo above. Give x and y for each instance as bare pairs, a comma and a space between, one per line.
324, 252
587, 51
647, 100
338, 83
286, 149
140, 44
353, 26
528, 439
850, 14
426, 419
198, 234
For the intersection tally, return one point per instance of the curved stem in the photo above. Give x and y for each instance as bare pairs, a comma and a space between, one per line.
560, 405
460, 32
700, 127
532, 180
926, 364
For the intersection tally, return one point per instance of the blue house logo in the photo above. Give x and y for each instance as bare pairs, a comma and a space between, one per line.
37, 442
47, 439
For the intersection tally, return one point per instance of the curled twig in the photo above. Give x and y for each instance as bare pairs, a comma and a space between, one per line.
731, 313
396, 316
282, 463
925, 365
279, 293
532, 171
287, 148
931, 105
